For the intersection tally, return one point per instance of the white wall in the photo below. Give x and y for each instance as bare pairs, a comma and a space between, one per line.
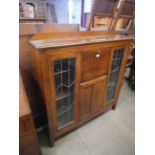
62, 11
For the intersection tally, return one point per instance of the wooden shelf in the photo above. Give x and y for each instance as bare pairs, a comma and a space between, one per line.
61, 94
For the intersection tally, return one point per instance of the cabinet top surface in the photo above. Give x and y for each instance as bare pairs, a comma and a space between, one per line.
52, 40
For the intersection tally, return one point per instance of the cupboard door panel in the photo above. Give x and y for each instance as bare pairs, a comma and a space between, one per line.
91, 97
98, 95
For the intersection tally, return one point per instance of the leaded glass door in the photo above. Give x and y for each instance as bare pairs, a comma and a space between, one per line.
117, 59
65, 71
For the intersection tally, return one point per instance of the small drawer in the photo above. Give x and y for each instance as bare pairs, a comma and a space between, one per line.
95, 63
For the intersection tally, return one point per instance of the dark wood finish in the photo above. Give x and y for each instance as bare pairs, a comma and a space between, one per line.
93, 52
28, 142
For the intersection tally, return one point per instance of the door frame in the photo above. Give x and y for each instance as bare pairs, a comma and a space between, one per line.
121, 73
51, 59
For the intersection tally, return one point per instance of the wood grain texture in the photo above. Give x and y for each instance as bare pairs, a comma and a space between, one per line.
43, 41
91, 97
99, 57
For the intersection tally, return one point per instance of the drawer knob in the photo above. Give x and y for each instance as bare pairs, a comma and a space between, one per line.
98, 55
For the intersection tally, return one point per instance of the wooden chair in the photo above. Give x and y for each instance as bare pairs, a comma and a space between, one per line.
102, 13
125, 17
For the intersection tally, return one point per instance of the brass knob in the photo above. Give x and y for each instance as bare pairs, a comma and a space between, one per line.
98, 55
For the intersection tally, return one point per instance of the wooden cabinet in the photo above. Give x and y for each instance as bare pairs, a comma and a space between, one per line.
80, 75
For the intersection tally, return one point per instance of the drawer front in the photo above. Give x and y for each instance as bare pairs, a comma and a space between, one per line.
95, 63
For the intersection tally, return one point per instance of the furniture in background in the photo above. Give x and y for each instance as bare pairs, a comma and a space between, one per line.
32, 20
26, 31
80, 75
131, 66
28, 142
102, 13
125, 17
114, 15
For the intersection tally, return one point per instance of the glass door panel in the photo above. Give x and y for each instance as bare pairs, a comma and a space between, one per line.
114, 74
64, 75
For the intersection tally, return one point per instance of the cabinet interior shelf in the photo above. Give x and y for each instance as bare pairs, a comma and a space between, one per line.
111, 84
115, 70
62, 94
64, 109
62, 71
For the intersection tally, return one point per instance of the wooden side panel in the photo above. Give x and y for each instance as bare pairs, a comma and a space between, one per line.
27, 134
28, 141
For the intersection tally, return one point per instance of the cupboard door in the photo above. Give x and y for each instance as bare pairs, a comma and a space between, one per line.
117, 59
65, 71
98, 95
85, 101
91, 97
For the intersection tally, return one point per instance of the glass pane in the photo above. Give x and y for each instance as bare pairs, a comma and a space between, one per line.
57, 66
115, 69
64, 71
